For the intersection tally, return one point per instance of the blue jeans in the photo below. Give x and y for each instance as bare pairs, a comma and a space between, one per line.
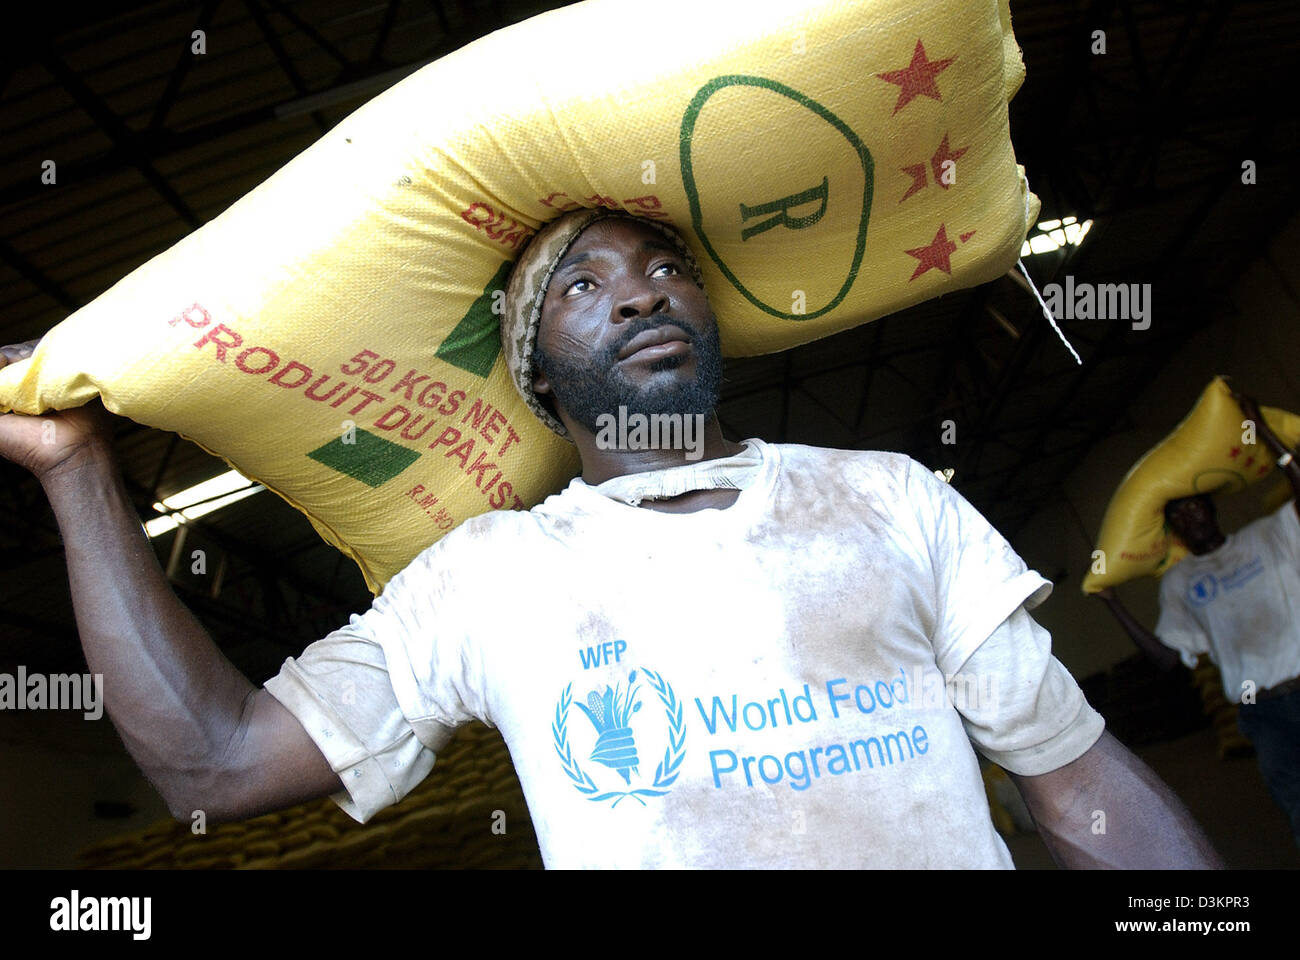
1273, 726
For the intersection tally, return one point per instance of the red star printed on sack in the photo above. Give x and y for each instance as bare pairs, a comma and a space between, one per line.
1234, 453
934, 255
917, 77
917, 172
941, 156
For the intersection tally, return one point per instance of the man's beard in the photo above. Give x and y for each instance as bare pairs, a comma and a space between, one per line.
600, 387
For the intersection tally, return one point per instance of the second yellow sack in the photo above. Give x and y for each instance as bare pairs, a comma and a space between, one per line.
1207, 453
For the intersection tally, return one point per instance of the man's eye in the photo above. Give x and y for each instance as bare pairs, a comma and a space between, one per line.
666, 266
575, 283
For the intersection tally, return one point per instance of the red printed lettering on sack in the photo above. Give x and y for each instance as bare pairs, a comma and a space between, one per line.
505, 230
484, 433
427, 501
647, 206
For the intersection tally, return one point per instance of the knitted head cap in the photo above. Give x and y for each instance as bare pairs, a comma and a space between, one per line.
526, 291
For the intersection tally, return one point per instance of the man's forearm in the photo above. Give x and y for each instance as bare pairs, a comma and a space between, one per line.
1146, 641
174, 698
1109, 810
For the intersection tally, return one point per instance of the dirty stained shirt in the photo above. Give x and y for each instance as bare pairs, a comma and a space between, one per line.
1240, 604
800, 679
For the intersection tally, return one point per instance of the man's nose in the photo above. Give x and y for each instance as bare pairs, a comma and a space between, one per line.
638, 298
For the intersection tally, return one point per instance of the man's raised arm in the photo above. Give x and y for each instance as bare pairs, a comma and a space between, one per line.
201, 732
1164, 657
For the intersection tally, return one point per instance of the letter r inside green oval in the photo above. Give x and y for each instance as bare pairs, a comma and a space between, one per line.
762, 217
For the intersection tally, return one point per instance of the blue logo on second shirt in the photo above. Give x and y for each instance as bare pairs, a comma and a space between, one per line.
1202, 590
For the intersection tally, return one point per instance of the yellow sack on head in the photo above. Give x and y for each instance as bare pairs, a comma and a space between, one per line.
1204, 454
334, 334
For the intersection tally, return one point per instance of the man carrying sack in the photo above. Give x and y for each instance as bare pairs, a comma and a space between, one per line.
716, 654
1237, 599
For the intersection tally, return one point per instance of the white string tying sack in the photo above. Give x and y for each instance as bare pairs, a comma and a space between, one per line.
1046, 312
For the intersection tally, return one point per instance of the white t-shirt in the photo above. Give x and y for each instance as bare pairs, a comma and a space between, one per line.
1240, 604
755, 686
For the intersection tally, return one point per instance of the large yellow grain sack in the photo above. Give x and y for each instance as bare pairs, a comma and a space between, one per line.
829, 162
1204, 454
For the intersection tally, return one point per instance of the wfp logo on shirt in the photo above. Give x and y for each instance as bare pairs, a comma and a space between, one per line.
615, 739
1202, 590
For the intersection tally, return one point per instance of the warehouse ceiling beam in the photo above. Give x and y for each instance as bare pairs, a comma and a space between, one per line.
249, 554
1135, 46
172, 442
944, 394
314, 34
1121, 188
164, 143
117, 132
1111, 349
869, 373
202, 22
75, 33
441, 14
381, 38
281, 57
1155, 360
1156, 351
1218, 187
37, 278
1192, 11
1078, 71
1006, 385
836, 415
1164, 115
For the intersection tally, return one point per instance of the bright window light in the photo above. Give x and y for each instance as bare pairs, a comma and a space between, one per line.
1056, 234
200, 499
1043, 244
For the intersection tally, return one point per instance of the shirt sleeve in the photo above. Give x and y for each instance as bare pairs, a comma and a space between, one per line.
1177, 628
382, 695
1021, 708
979, 579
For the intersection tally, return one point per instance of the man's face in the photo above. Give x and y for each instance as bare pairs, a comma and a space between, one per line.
1193, 518
623, 324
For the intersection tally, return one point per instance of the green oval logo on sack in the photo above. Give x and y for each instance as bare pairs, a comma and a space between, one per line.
1218, 480
800, 204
